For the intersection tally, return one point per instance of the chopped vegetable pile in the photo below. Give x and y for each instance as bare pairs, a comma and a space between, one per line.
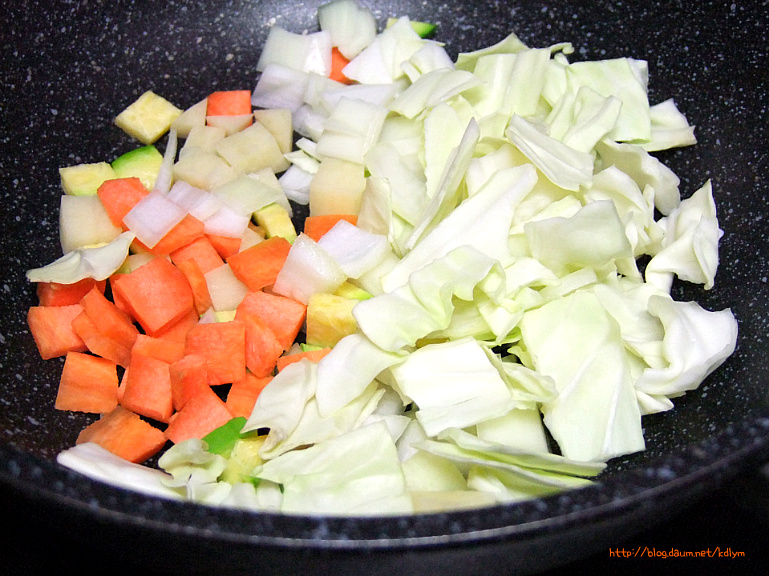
477, 310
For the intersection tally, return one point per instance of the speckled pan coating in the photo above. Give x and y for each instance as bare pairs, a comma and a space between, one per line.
69, 67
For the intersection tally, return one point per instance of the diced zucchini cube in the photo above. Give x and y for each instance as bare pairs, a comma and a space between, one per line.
143, 163
275, 220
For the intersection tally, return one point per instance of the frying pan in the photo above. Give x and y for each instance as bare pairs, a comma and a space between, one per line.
69, 67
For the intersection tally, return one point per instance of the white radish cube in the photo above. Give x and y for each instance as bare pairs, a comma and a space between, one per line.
231, 123
337, 187
83, 221
252, 149
225, 289
279, 123
204, 169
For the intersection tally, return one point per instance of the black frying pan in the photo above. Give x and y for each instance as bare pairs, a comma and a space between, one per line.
68, 68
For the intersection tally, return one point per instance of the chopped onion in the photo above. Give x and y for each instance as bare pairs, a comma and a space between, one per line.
296, 184
166, 174
226, 222
308, 270
153, 217
304, 52
198, 202
355, 250
280, 87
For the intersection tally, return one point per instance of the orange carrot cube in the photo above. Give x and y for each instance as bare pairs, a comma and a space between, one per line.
51, 328
125, 434
88, 384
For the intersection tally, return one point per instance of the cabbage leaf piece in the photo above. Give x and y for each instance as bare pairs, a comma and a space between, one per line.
591, 238
97, 463
561, 164
345, 372
356, 473
625, 79
576, 342
481, 221
669, 128
98, 263
280, 405
453, 384
396, 320
696, 342
690, 247
550, 473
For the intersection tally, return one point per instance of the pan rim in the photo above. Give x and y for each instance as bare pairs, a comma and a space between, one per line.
635, 491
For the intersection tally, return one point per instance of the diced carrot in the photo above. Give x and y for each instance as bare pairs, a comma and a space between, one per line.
178, 330
229, 103
125, 434
179, 236
259, 265
117, 299
243, 394
157, 293
188, 376
312, 355
51, 328
200, 294
338, 62
164, 349
224, 245
262, 346
55, 294
110, 320
284, 316
223, 345
316, 226
202, 250
201, 414
88, 384
119, 195
147, 389
99, 343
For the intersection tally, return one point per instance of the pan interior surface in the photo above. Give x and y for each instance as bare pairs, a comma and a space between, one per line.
71, 68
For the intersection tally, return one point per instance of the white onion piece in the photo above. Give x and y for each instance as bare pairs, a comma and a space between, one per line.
308, 270
166, 174
377, 94
308, 122
352, 27
226, 222
198, 202
304, 52
280, 87
153, 217
296, 184
355, 250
